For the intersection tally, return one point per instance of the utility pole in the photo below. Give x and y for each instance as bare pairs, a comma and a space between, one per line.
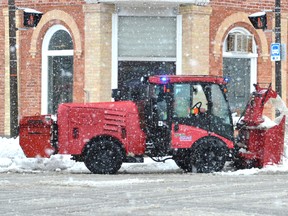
278, 82
13, 70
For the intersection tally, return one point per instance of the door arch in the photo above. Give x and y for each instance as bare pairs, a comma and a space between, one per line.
239, 66
57, 69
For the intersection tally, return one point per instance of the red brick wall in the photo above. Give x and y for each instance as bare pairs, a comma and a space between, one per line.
219, 14
223, 9
30, 68
36, 3
248, 4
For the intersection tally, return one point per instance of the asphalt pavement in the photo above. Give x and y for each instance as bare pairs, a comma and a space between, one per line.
169, 193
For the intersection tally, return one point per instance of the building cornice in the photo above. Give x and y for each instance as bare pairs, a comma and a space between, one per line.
155, 2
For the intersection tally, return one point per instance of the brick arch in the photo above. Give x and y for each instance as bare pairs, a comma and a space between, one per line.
64, 17
226, 24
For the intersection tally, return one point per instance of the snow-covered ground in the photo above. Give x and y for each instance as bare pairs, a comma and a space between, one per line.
12, 159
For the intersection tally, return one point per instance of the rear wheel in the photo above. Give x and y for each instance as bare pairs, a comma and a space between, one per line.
103, 157
209, 155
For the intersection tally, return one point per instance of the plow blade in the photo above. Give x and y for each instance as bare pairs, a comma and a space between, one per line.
264, 146
35, 136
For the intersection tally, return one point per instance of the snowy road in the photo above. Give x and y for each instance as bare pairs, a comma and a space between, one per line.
59, 186
169, 193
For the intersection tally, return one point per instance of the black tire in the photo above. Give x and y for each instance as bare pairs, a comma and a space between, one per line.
181, 164
103, 157
209, 155
183, 161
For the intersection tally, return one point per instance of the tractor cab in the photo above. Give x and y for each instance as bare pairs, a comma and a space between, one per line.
176, 111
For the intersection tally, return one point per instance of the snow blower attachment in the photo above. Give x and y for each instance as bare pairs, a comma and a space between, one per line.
259, 144
35, 136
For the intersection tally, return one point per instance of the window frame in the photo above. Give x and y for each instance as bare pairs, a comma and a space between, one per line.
253, 56
142, 11
45, 53
235, 54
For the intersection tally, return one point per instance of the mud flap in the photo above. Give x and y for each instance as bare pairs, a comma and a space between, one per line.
35, 136
264, 146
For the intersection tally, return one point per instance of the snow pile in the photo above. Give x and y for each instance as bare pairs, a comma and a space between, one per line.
12, 159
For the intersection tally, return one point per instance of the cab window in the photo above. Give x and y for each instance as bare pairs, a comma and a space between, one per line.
187, 96
157, 93
199, 96
220, 107
182, 100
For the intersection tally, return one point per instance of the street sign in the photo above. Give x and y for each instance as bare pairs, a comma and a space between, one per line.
275, 52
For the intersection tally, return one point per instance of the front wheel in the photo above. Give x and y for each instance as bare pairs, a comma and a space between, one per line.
209, 155
103, 157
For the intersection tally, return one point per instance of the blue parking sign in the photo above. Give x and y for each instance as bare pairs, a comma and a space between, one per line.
275, 52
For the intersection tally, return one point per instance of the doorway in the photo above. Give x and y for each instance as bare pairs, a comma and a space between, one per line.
237, 70
240, 67
128, 70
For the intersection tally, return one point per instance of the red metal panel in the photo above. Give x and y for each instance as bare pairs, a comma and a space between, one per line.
254, 111
186, 136
187, 78
136, 138
63, 128
99, 119
273, 146
265, 146
35, 134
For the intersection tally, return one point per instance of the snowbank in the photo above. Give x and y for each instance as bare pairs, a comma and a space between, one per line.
12, 159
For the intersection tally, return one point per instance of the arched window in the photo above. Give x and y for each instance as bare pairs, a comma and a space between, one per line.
240, 66
57, 69
239, 42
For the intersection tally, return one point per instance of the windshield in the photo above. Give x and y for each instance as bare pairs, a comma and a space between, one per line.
188, 96
220, 108
201, 105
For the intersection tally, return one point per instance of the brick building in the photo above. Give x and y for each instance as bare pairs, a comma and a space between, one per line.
81, 49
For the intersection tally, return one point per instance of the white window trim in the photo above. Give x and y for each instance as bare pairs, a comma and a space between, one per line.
179, 45
253, 56
114, 78
45, 54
